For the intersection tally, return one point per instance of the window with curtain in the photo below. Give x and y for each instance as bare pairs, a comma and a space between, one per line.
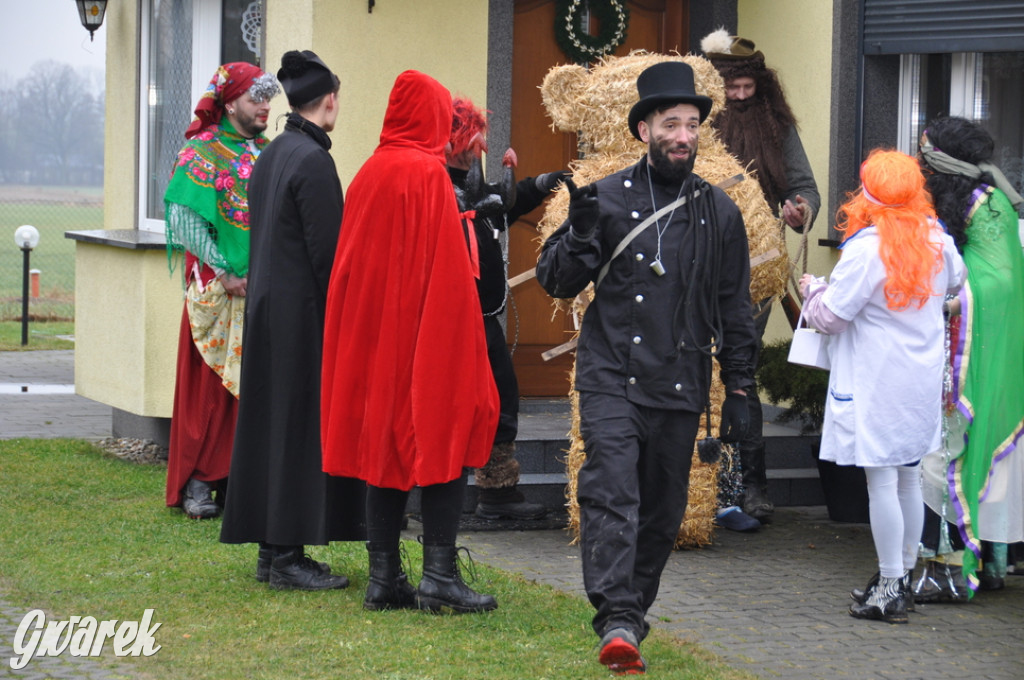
170, 103
183, 43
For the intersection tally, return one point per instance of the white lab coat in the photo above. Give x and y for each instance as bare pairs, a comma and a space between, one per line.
884, 404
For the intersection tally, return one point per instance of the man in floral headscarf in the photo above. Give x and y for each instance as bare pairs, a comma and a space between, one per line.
207, 215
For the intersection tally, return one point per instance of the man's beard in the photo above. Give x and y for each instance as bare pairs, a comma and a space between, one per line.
249, 126
752, 132
674, 171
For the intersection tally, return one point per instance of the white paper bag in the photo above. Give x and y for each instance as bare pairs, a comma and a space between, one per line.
809, 347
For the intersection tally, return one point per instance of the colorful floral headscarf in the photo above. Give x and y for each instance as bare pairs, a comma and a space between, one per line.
229, 83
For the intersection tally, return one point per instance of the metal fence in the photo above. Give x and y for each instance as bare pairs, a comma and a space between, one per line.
53, 210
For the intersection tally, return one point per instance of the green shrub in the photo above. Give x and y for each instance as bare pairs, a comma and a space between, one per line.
800, 389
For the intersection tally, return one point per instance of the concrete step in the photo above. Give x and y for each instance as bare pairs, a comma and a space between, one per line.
543, 443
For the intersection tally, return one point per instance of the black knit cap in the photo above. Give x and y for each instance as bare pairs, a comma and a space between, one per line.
304, 77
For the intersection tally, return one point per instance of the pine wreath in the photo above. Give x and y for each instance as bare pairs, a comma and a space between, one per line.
582, 47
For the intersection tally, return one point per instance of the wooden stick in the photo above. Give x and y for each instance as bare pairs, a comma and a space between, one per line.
764, 257
560, 350
522, 278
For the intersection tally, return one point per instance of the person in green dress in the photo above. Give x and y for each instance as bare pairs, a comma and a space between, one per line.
979, 488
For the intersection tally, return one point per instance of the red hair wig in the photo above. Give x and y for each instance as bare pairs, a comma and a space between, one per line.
893, 199
469, 127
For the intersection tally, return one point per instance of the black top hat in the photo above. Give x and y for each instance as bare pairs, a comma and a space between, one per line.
304, 77
667, 82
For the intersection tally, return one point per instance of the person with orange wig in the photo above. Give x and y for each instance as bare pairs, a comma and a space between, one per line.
883, 307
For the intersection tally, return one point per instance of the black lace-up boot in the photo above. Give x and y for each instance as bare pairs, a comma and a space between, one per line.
389, 587
442, 589
292, 569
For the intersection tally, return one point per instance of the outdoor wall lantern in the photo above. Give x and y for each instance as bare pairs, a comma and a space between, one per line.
91, 13
26, 237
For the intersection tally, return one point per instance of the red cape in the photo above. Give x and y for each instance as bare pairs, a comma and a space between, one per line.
407, 398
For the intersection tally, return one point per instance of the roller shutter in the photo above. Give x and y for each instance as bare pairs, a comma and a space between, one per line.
938, 26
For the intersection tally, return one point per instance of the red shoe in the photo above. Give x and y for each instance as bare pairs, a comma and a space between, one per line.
620, 652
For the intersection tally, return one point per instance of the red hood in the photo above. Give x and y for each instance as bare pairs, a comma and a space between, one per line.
419, 115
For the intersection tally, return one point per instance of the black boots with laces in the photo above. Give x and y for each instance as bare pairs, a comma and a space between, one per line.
389, 587
266, 556
292, 569
442, 589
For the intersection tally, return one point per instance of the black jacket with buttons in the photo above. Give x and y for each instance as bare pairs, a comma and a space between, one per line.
635, 340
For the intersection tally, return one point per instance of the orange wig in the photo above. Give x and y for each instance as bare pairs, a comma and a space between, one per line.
893, 199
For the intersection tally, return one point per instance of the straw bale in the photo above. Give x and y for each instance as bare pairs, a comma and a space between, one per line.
595, 103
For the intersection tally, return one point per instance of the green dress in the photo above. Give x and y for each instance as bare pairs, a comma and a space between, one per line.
986, 482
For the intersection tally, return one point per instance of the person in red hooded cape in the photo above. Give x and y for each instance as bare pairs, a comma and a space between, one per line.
407, 396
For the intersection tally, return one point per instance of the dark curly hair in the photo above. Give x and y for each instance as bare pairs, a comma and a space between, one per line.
965, 140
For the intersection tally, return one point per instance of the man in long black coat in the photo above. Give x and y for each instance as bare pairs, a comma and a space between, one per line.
279, 495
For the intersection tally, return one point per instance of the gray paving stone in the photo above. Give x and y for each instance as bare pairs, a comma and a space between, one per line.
772, 605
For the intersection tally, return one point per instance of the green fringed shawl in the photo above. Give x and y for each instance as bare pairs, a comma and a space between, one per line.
211, 177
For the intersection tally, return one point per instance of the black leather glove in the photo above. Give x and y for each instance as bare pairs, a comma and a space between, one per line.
583, 210
549, 180
735, 418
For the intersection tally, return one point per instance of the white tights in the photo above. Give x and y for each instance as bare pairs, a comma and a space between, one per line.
897, 516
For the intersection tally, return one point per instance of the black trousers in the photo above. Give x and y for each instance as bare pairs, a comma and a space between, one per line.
632, 490
752, 447
440, 504
505, 378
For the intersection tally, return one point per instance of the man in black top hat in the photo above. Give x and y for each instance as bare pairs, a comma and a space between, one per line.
279, 495
668, 258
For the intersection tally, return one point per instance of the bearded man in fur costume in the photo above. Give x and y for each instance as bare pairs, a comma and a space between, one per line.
758, 127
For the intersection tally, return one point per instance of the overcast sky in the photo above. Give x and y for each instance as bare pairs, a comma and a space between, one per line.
35, 30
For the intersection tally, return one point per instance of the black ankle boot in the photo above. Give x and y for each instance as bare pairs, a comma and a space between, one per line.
885, 601
197, 500
294, 570
507, 503
858, 595
442, 588
389, 587
266, 555
755, 483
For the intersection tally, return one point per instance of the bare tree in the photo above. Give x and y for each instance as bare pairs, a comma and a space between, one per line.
58, 117
12, 147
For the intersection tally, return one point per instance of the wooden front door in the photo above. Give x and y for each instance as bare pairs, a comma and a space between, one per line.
534, 326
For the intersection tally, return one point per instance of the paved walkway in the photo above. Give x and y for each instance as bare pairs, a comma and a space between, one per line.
771, 603
37, 398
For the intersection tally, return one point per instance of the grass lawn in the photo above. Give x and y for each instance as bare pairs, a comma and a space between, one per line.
41, 335
86, 534
54, 256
